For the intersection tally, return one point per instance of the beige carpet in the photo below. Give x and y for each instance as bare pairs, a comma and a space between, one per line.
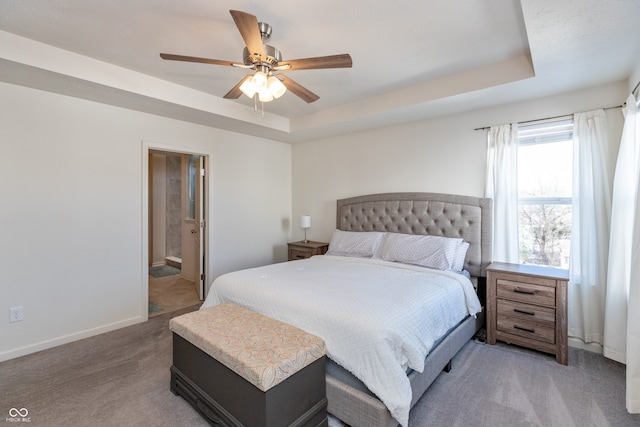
121, 378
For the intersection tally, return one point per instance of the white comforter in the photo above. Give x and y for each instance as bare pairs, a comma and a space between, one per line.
377, 318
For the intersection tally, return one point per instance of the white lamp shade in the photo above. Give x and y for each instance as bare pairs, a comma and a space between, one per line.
259, 80
264, 95
305, 221
276, 87
248, 88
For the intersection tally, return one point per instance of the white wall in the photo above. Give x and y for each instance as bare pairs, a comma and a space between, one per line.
73, 251
443, 155
634, 79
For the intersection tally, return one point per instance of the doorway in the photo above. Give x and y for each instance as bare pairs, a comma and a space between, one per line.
177, 248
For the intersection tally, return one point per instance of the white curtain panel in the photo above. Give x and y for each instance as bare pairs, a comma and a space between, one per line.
590, 227
633, 315
502, 186
622, 313
623, 209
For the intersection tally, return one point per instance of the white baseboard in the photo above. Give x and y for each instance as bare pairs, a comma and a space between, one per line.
578, 343
54, 342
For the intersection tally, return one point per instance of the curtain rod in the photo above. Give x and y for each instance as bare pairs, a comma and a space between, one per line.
554, 117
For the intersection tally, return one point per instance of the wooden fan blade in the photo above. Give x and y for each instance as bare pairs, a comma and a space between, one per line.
248, 26
332, 61
235, 92
173, 57
299, 90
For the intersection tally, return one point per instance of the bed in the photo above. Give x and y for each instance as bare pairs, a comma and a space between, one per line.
382, 357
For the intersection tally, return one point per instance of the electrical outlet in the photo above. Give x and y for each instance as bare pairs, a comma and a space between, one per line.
16, 314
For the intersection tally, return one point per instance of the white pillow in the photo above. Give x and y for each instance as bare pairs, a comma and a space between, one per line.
460, 255
360, 244
427, 251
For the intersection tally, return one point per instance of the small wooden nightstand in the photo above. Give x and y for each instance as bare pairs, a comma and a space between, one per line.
301, 250
527, 306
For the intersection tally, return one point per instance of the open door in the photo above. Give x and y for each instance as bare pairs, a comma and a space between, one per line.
193, 224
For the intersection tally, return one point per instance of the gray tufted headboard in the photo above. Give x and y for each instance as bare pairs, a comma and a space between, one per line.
425, 213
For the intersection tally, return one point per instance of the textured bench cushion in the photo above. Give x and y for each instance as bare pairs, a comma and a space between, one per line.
262, 350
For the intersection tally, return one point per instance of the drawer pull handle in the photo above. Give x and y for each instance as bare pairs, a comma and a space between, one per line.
300, 256
520, 291
530, 313
524, 329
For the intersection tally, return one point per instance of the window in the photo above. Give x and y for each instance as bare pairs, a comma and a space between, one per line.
545, 160
191, 176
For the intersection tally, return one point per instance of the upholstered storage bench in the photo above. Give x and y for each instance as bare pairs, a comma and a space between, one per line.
240, 368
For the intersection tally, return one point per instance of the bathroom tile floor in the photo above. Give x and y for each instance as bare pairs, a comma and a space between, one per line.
171, 293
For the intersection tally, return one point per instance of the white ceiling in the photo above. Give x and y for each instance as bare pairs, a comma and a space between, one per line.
411, 59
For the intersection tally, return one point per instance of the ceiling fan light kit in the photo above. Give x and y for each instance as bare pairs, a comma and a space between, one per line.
267, 87
264, 85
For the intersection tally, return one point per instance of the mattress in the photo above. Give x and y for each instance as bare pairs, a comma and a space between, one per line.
377, 318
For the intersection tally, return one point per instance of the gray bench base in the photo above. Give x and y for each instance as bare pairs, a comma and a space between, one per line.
226, 399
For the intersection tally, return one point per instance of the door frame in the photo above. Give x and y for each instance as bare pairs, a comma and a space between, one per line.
148, 146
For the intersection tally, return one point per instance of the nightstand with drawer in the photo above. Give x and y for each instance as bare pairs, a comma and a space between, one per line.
527, 306
302, 249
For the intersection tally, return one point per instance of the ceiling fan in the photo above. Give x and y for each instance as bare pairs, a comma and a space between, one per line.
267, 82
